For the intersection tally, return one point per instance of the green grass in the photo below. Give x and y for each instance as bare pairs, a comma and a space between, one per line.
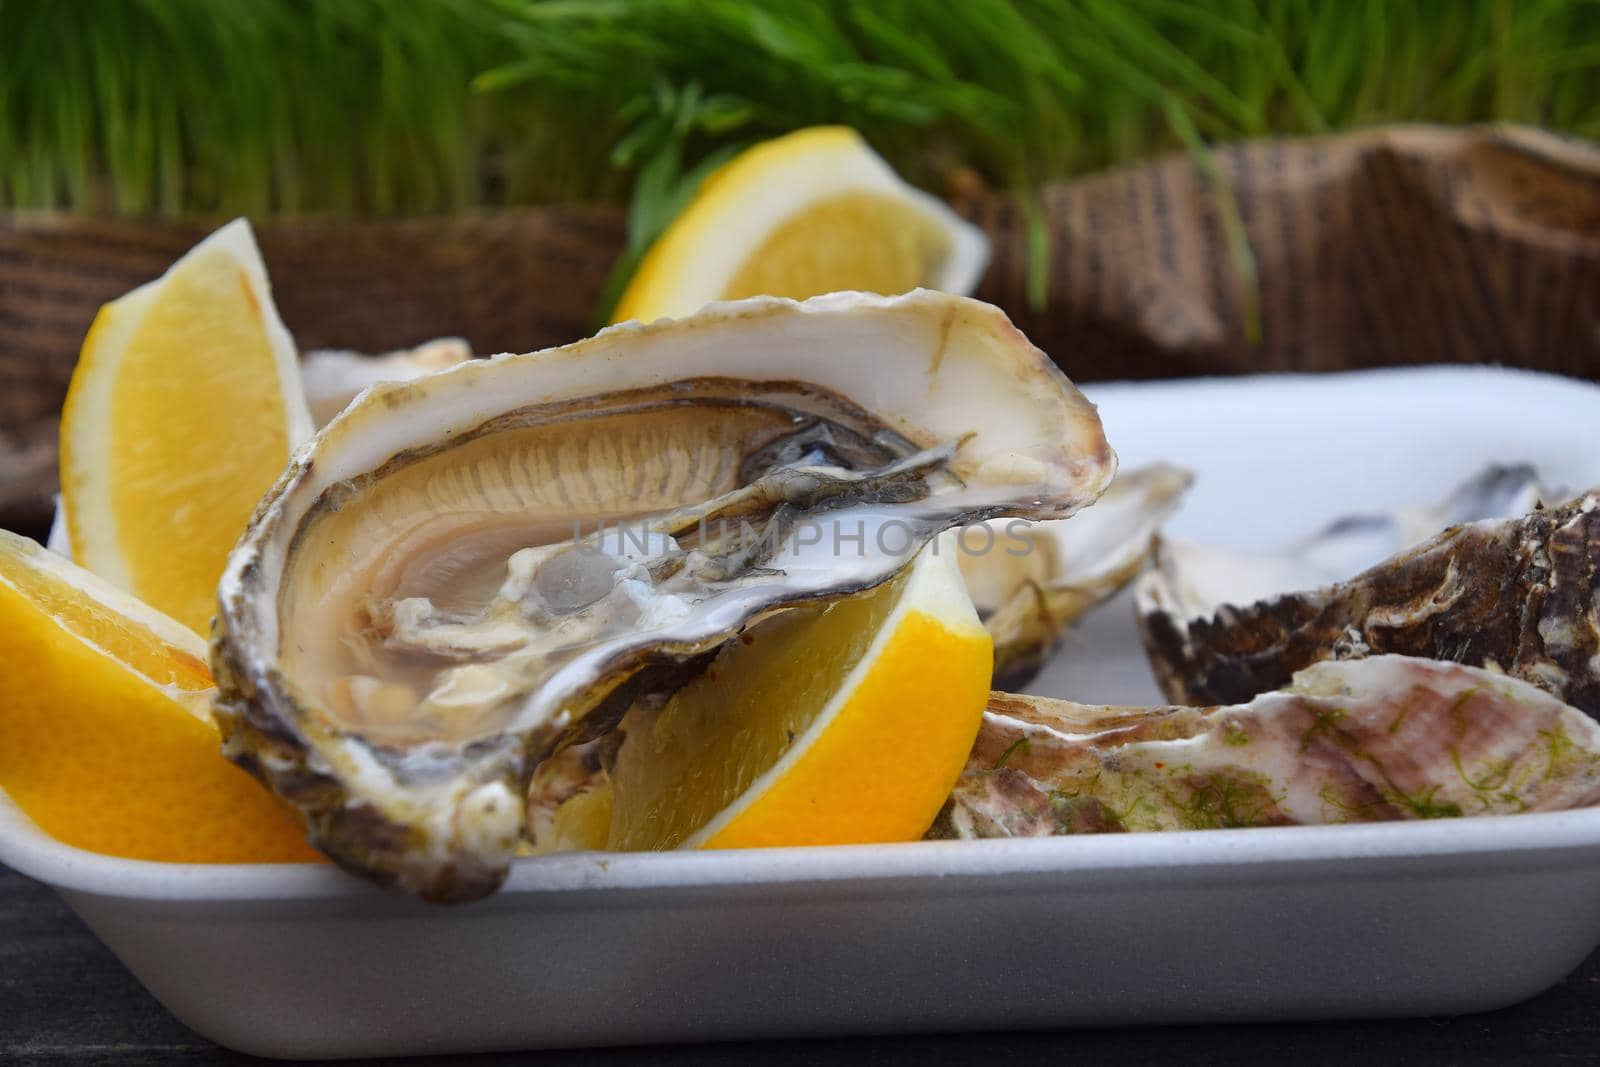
382, 107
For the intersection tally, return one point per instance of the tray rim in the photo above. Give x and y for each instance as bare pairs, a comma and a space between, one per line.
28, 850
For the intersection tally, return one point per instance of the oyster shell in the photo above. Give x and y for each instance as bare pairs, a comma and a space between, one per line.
1384, 738
1031, 581
1192, 580
571, 772
332, 378
424, 607
1514, 595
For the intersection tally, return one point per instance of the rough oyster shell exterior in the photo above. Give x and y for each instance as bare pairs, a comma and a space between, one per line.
1516, 595
1372, 740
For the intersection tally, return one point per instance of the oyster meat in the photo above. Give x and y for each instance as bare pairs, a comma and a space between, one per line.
1516, 595
461, 573
1030, 581
1383, 738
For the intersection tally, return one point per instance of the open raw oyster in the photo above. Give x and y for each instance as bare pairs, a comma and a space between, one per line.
1383, 738
1031, 581
462, 572
1516, 595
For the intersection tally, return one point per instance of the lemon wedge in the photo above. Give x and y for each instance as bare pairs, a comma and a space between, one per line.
816, 211
105, 741
832, 725
183, 409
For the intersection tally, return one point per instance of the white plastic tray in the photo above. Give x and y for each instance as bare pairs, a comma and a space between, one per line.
1414, 918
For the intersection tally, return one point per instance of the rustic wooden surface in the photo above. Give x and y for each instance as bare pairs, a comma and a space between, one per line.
1405, 245
65, 1001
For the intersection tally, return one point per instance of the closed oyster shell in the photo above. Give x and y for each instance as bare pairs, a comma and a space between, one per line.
1379, 739
424, 607
1515, 595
